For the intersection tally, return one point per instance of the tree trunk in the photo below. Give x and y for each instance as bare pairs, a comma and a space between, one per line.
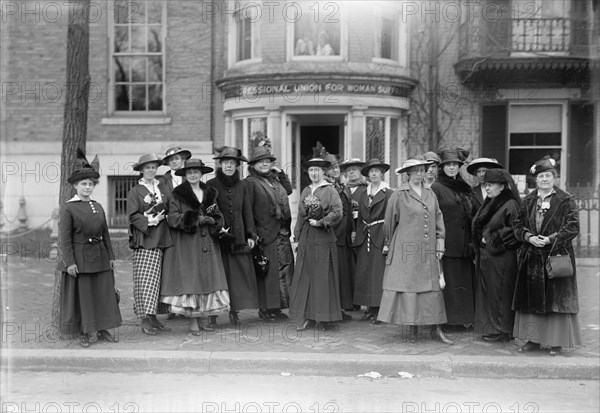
75, 116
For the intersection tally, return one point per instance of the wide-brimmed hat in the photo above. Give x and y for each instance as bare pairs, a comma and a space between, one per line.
320, 162
489, 163
260, 153
453, 155
351, 162
410, 163
83, 169
194, 163
432, 157
372, 163
543, 165
229, 152
147, 158
176, 150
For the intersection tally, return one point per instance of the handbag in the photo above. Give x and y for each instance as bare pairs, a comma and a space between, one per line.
261, 262
558, 266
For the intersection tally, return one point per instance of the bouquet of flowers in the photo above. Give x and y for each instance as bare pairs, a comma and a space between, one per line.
314, 210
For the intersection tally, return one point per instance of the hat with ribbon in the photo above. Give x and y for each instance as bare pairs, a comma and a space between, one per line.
147, 158
176, 150
418, 160
432, 157
194, 163
229, 152
374, 163
543, 165
489, 163
320, 162
351, 162
260, 153
458, 155
83, 169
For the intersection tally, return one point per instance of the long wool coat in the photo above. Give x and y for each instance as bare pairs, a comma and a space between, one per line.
534, 292
457, 221
315, 288
496, 261
194, 264
140, 234
412, 225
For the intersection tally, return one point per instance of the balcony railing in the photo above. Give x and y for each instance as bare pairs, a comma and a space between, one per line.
506, 37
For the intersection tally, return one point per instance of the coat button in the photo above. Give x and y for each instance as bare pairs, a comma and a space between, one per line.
204, 249
425, 216
203, 233
426, 236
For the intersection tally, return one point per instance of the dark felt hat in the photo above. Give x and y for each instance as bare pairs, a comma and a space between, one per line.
489, 163
543, 165
229, 152
175, 150
147, 158
260, 153
194, 163
83, 169
372, 163
453, 155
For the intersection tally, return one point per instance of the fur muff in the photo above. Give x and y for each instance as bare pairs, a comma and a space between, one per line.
495, 243
190, 221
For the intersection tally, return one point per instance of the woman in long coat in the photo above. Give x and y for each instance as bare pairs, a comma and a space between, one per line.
234, 203
496, 255
149, 236
194, 282
546, 309
370, 262
414, 243
315, 294
268, 191
455, 198
88, 303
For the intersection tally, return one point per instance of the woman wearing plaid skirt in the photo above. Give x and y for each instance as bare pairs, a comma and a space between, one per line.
148, 237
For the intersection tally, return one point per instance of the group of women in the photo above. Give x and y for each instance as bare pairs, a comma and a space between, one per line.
435, 252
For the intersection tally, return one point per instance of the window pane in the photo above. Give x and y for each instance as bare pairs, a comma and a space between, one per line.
375, 138
387, 27
317, 36
121, 97
239, 135
154, 39
244, 39
138, 97
257, 130
155, 69
138, 11
121, 39
138, 69
121, 69
547, 139
522, 139
154, 11
155, 97
138, 39
121, 11
535, 118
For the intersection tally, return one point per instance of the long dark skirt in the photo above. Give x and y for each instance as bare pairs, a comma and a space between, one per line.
550, 329
241, 280
459, 291
496, 277
347, 267
315, 290
88, 303
273, 289
370, 266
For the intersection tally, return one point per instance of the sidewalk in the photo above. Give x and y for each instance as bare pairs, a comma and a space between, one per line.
348, 348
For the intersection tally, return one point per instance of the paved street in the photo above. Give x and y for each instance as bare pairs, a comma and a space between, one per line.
110, 392
27, 321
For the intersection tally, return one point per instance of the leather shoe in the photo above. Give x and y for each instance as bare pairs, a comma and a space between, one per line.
346, 316
212, 322
496, 337
233, 318
106, 336
148, 331
529, 346
306, 325
278, 314
368, 315
438, 335
195, 333
555, 351
265, 315
160, 327
84, 340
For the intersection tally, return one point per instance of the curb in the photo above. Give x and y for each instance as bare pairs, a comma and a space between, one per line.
299, 364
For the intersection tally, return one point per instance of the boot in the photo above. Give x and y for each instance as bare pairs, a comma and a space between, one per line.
438, 335
212, 321
233, 318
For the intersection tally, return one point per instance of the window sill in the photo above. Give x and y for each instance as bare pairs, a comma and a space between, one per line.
136, 121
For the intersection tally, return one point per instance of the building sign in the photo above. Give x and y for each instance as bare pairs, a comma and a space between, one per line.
324, 88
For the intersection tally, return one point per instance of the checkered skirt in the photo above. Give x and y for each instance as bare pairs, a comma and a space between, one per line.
147, 267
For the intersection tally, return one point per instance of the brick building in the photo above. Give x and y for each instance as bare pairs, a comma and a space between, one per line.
509, 79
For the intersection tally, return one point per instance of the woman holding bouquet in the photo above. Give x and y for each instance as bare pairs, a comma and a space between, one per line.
315, 294
194, 282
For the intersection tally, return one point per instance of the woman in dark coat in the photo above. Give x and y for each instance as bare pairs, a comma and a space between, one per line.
315, 294
546, 309
236, 248
194, 282
370, 261
477, 167
268, 191
454, 196
88, 303
149, 236
496, 255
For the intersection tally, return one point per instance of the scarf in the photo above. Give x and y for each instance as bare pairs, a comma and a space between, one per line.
228, 181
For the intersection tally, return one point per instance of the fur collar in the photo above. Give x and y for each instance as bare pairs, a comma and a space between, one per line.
228, 181
488, 209
185, 193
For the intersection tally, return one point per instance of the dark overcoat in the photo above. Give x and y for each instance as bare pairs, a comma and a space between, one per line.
194, 264
535, 292
477, 198
457, 221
